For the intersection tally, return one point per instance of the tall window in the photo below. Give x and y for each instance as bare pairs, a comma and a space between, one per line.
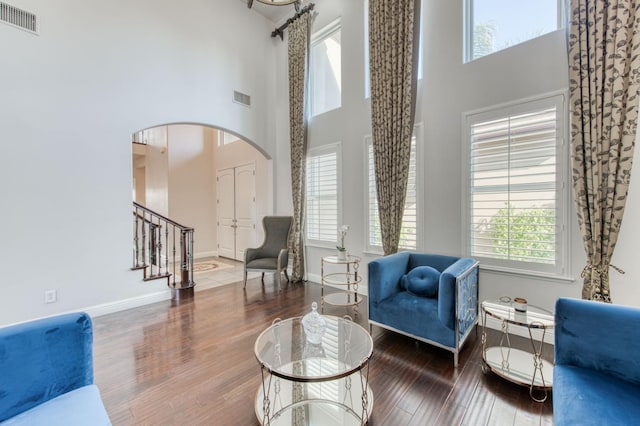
493, 25
517, 197
409, 230
323, 196
325, 78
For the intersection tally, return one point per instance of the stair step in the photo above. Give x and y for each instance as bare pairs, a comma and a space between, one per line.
136, 268
156, 277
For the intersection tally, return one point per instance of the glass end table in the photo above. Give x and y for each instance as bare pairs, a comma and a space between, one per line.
516, 365
305, 383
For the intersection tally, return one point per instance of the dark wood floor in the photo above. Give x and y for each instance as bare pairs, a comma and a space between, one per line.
193, 364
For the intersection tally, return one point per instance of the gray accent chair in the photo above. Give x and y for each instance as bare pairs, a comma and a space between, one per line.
273, 254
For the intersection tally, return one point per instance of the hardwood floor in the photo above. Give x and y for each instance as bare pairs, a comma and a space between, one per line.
193, 363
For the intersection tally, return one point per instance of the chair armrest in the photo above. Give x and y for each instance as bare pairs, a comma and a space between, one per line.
598, 336
42, 359
251, 254
283, 258
460, 278
385, 274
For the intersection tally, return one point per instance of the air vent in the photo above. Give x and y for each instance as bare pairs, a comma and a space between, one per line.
241, 98
18, 18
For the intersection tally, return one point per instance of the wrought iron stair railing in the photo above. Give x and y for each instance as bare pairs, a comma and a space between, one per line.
162, 248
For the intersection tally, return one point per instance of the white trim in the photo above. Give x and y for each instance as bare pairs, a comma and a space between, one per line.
212, 253
133, 302
108, 308
562, 270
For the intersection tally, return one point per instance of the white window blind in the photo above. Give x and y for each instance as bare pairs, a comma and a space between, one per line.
322, 194
516, 185
408, 232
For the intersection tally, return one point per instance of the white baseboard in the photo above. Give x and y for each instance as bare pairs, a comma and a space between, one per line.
200, 255
121, 305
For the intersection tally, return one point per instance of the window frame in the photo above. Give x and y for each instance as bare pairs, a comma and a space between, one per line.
419, 174
561, 270
467, 29
318, 37
336, 148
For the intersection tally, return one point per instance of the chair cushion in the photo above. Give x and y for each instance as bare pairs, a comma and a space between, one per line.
422, 281
586, 397
263, 263
82, 406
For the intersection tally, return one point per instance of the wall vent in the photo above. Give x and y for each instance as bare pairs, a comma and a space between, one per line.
18, 18
241, 98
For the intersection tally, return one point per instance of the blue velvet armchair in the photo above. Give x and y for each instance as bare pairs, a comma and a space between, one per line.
429, 297
596, 377
46, 373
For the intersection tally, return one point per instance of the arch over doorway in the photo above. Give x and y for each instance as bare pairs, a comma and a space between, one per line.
175, 170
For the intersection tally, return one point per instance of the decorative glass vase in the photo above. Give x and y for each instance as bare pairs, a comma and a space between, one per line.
314, 325
342, 254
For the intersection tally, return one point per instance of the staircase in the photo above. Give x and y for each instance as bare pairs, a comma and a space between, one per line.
162, 248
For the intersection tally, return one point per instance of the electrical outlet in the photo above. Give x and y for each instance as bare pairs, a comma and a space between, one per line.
50, 296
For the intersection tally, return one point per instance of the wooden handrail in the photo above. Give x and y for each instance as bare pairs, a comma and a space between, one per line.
164, 218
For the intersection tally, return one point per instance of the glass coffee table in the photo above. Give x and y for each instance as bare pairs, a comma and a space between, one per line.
314, 384
516, 365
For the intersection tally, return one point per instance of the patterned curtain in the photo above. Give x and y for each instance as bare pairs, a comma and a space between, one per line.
604, 79
393, 51
298, 74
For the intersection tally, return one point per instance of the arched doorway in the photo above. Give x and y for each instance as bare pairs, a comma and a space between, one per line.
176, 174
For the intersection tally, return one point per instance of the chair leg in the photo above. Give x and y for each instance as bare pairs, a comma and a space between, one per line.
286, 275
278, 276
262, 278
245, 279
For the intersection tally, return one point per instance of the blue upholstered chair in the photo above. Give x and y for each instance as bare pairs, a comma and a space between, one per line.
596, 377
273, 254
46, 373
428, 297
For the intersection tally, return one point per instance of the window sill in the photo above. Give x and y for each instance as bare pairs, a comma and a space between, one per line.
527, 274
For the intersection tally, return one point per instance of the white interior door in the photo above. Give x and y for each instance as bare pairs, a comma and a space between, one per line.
236, 211
245, 209
226, 213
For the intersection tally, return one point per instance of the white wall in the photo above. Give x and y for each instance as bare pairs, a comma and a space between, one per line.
448, 89
98, 72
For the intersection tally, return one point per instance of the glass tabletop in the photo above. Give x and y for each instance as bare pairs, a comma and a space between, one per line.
284, 351
334, 259
533, 317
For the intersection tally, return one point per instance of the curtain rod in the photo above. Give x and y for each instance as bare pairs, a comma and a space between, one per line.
280, 30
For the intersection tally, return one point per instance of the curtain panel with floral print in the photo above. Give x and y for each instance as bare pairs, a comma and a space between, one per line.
393, 51
298, 50
604, 78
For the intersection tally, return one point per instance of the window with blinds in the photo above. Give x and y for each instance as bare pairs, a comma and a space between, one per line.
409, 230
516, 197
323, 177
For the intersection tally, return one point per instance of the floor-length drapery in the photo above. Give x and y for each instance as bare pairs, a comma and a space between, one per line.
298, 49
604, 78
393, 53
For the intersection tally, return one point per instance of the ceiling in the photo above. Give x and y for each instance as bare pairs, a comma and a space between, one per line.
275, 14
